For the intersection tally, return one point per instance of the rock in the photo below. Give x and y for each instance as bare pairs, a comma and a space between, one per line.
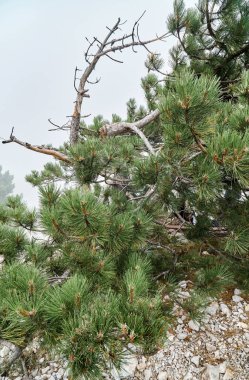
1, 259
211, 373
213, 308
51, 378
41, 360
225, 309
128, 369
184, 295
162, 376
60, 373
141, 367
114, 374
228, 374
182, 336
243, 325
34, 372
148, 374
237, 299
247, 307
194, 325
4, 352
183, 284
223, 367
188, 376
237, 292
45, 370
195, 360
210, 347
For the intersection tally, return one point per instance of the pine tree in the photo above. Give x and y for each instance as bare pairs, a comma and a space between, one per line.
142, 199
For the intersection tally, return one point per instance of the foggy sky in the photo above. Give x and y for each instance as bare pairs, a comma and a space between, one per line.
41, 42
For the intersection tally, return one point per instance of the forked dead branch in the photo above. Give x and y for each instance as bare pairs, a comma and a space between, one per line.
95, 51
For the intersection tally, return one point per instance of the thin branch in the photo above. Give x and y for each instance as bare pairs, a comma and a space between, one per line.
40, 149
136, 130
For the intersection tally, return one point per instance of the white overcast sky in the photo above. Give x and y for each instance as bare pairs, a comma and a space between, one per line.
41, 42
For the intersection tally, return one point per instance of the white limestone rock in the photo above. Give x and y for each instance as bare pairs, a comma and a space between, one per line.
196, 360
237, 299
194, 325
225, 309
213, 308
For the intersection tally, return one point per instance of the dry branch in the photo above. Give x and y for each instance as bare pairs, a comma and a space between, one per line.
106, 48
40, 149
124, 127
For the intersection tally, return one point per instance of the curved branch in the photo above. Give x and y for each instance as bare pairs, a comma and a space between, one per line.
123, 127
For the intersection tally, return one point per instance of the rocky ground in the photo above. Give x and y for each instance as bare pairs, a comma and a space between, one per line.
217, 348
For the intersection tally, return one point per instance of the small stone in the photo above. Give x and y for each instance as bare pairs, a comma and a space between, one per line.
51, 378
41, 360
183, 284
237, 299
182, 336
1, 259
213, 308
242, 325
148, 374
171, 337
246, 336
4, 352
194, 325
188, 376
217, 354
162, 376
228, 374
210, 347
60, 373
237, 292
45, 370
223, 367
195, 360
247, 307
184, 295
205, 253
141, 367
225, 309
212, 372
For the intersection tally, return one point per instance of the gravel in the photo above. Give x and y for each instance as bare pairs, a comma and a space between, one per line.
215, 348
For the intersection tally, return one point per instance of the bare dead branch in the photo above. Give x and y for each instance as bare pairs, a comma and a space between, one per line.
143, 137
40, 149
63, 127
123, 127
105, 48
